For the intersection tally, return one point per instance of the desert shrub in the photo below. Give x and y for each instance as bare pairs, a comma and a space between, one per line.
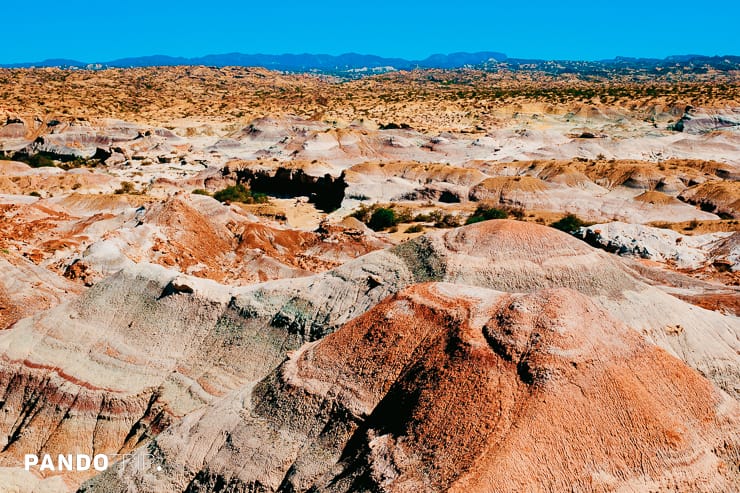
693, 224
78, 162
382, 218
240, 193
363, 213
403, 215
485, 213
126, 187
416, 228
516, 212
200, 191
394, 126
569, 223
34, 194
40, 161
423, 218
447, 221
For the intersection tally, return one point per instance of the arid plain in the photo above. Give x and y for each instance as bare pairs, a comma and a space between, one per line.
438, 280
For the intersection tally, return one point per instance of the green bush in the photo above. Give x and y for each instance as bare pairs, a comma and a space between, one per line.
200, 191
485, 213
40, 161
240, 193
382, 218
569, 223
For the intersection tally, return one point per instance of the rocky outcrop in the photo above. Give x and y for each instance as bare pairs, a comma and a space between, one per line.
663, 245
26, 289
719, 197
703, 121
146, 346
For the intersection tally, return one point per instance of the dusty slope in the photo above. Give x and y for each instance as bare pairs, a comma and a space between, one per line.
148, 345
442, 387
26, 289
174, 343
105, 371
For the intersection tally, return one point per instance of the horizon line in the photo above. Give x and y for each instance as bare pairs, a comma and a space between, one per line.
387, 57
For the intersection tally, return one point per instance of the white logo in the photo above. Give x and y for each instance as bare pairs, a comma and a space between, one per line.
83, 462
66, 462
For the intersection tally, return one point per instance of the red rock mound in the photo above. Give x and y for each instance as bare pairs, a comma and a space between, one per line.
549, 394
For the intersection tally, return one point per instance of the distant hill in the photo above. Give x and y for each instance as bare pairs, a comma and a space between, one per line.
292, 63
354, 64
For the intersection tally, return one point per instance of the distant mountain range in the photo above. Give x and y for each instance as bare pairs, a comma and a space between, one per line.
356, 64
291, 63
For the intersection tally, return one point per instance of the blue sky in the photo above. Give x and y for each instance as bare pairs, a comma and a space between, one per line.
104, 30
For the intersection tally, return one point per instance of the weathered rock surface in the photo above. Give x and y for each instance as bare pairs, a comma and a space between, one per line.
447, 388
720, 197
26, 289
148, 346
703, 121
663, 245
86, 237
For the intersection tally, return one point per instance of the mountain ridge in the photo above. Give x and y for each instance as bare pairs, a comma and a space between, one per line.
359, 63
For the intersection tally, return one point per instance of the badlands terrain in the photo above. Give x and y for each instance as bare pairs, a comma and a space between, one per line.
236, 280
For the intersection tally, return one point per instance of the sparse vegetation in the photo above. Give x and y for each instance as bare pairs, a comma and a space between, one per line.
36, 161
446, 220
397, 100
693, 224
363, 213
382, 218
485, 213
47, 160
240, 193
569, 223
127, 187
200, 191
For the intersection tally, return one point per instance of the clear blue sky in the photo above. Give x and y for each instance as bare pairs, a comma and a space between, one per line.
102, 30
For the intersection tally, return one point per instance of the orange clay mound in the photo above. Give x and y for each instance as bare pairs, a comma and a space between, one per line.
472, 390
653, 197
